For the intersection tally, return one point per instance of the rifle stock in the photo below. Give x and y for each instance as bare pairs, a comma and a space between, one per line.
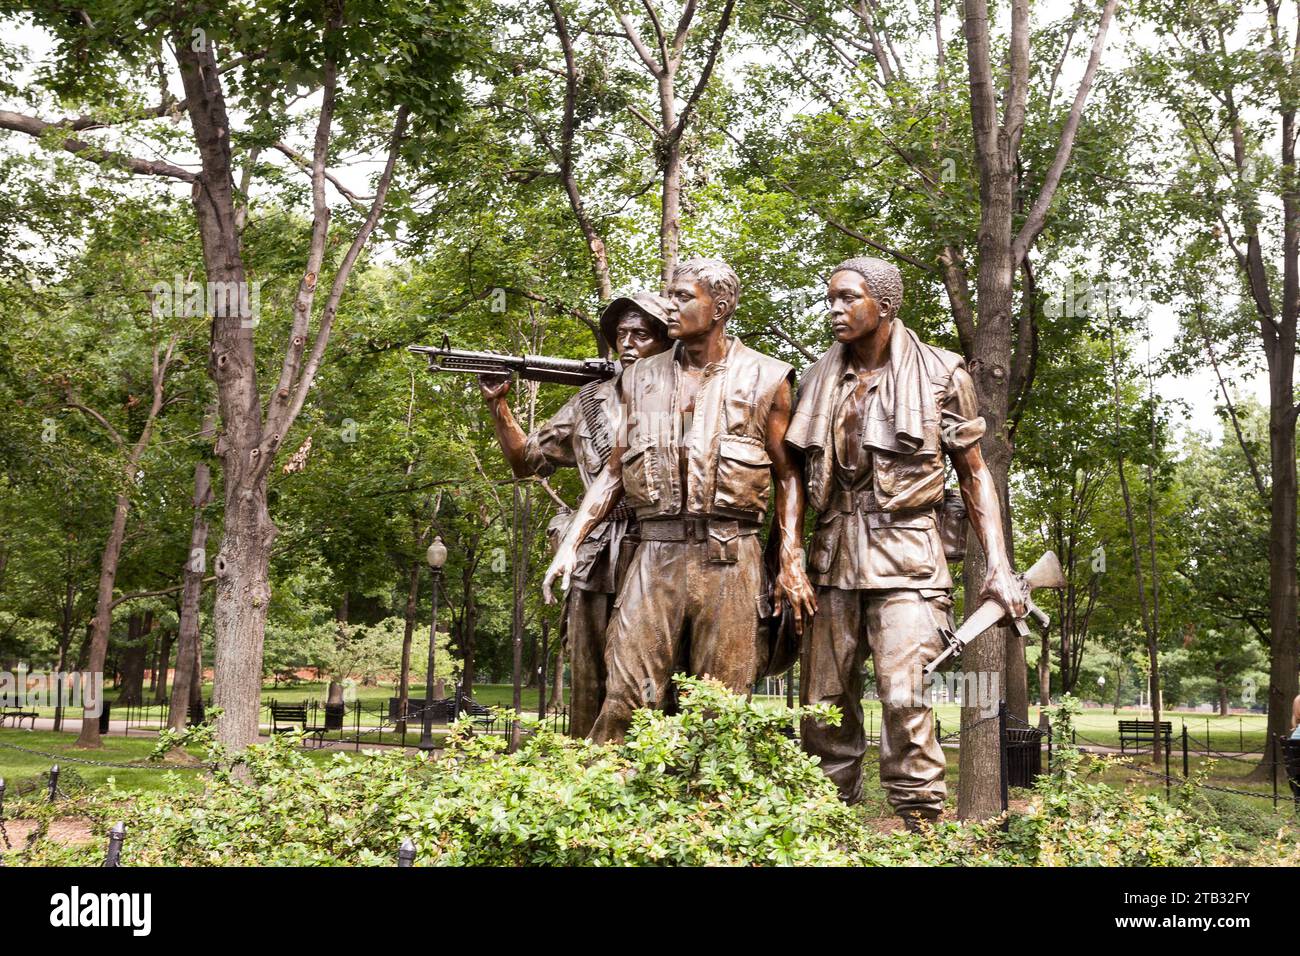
1044, 573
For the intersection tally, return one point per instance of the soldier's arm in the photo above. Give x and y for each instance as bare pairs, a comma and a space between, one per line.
510, 436
546, 449
792, 582
962, 428
980, 493
600, 499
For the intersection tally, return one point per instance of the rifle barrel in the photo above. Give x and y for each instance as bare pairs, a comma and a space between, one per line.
536, 368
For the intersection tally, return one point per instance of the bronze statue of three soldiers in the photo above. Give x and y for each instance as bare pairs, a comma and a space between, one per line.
679, 455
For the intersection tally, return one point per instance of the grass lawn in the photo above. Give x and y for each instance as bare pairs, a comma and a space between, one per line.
20, 769
1233, 733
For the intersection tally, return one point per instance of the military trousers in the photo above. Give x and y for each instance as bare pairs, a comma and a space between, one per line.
900, 627
675, 588
586, 621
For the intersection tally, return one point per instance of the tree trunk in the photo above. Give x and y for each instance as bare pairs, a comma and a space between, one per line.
239, 612
670, 218
243, 588
468, 620
189, 642
164, 665
408, 634
1284, 638
979, 795
1223, 700
130, 690
65, 644
557, 679
103, 620
1045, 674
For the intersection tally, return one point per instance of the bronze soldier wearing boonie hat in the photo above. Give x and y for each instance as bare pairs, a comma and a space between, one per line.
580, 435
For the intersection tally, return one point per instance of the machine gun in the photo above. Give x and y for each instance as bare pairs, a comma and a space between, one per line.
1045, 573
533, 368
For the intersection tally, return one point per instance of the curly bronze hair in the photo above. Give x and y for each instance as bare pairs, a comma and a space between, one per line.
884, 281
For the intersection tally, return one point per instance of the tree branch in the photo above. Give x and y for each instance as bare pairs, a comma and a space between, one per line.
302, 163
1037, 217
675, 134
37, 128
271, 441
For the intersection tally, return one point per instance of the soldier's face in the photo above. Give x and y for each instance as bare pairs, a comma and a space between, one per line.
692, 310
854, 313
639, 336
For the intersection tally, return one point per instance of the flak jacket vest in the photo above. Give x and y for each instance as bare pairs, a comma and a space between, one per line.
728, 473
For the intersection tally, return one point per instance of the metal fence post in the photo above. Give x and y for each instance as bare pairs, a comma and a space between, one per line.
1274, 767
54, 783
1002, 751
1186, 774
356, 723
1168, 742
114, 856
406, 853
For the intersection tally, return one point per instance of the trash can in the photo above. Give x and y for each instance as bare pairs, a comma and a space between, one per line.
334, 716
1024, 756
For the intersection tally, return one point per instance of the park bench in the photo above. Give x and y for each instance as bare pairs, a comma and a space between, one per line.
18, 716
1138, 732
440, 712
289, 718
480, 713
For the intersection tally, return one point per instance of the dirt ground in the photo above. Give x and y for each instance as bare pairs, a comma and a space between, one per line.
894, 824
71, 832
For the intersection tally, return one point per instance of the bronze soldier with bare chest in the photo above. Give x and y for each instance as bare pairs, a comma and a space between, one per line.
701, 447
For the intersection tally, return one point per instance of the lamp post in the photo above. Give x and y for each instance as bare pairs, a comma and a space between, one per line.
437, 557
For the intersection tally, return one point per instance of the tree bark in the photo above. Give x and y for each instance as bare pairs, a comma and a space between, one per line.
159, 678
408, 635
130, 689
103, 620
557, 679
1045, 674
1148, 621
189, 641
980, 757
1284, 638
469, 623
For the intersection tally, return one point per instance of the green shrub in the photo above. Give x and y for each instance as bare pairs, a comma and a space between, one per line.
720, 783
1073, 820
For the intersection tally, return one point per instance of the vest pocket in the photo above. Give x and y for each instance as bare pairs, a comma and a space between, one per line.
743, 474
908, 481
902, 547
639, 486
